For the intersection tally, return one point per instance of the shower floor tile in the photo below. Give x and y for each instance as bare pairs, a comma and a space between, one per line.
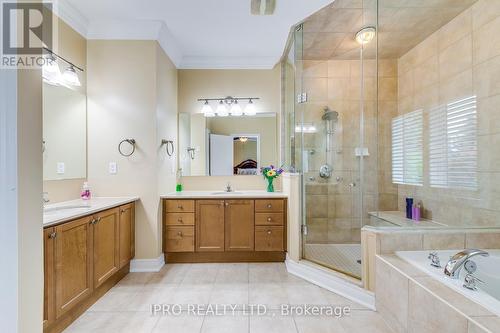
342, 257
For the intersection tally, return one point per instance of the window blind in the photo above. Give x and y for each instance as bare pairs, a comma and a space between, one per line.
453, 145
407, 148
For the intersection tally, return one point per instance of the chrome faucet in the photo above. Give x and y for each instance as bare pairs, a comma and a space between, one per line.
45, 198
228, 187
453, 267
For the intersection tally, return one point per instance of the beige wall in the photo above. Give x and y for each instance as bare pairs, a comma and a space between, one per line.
459, 60
332, 207
72, 46
194, 84
132, 94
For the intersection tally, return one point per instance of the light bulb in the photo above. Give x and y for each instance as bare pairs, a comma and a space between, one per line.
365, 35
250, 109
221, 109
50, 70
207, 110
236, 109
71, 77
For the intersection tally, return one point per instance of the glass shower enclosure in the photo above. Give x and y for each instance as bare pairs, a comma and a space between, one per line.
330, 85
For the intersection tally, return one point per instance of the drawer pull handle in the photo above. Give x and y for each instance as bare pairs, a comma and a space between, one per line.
227, 203
179, 234
269, 219
179, 219
269, 232
180, 207
269, 206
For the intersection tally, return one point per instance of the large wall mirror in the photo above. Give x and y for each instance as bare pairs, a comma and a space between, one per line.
225, 146
64, 133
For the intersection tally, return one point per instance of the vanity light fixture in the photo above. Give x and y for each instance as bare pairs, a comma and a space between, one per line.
250, 109
207, 110
70, 77
228, 106
221, 109
236, 109
52, 74
243, 139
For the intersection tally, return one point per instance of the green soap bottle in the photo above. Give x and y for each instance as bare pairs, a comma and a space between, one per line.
178, 186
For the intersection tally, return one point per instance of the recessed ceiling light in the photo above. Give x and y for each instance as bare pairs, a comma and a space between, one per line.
365, 35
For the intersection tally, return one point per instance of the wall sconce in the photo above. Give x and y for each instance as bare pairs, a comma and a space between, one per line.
229, 106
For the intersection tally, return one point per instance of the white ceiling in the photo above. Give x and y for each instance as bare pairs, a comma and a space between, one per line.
194, 33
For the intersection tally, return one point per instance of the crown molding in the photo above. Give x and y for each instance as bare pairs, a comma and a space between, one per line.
169, 44
69, 14
197, 62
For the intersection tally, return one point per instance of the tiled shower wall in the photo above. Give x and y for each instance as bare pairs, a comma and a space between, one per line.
333, 211
461, 59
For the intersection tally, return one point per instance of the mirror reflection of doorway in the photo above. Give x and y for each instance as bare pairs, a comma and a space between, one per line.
246, 153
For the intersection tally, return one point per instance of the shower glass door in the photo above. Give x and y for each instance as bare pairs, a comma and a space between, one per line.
337, 124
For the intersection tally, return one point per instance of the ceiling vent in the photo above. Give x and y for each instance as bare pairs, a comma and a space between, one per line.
263, 7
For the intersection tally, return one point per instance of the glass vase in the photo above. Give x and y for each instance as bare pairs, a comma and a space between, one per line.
270, 186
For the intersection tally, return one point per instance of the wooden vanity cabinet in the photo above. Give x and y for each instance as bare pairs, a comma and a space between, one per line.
106, 245
84, 258
73, 263
49, 314
239, 219
209, 226
224, 230
127, 234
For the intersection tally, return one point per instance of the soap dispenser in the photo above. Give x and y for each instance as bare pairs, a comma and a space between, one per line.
178, 186
85, 195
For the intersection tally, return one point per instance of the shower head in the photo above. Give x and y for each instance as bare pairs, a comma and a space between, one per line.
330, 114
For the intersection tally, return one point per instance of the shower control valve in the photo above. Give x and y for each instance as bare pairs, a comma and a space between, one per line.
470, 282
434, 257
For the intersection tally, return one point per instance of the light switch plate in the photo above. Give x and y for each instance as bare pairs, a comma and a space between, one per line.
113, 169
61, 168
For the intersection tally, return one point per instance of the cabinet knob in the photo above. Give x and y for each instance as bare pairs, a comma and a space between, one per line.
179, 220
269, 219
180, 207
269, 206
179, 234
92, 221
98, 220
269, 232
52, 235
227, 203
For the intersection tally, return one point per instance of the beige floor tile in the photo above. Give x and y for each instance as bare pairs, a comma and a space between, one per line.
184, 323
307, 324
269, 294
272, 323
192, 294
365, 322
335, 299
111, 322
225, 324
307, 294
114, 301
229, 294
263, 272
148, 296
232, 273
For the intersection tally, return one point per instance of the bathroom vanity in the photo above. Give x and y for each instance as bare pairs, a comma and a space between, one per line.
87, 249
224, 227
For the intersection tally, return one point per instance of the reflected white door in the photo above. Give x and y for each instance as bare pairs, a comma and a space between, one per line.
221, 155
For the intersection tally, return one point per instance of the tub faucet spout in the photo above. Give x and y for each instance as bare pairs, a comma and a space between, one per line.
456, 262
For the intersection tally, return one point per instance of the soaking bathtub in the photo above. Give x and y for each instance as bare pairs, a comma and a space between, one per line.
488, 270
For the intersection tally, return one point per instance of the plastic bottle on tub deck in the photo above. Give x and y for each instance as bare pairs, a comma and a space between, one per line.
409, 207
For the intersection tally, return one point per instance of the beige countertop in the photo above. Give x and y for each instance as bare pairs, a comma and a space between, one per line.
223, 195
73, 209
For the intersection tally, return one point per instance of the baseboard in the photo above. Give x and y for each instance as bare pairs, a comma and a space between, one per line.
147, 265
331, 282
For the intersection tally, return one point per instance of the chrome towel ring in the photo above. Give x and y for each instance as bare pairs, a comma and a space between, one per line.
129, 141
169, 146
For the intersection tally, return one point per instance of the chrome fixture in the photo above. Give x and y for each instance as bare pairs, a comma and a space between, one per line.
45, 198
52, 75
228, 188
231, 103
434, 257
191, 151
365, 35
169, 146
330, 117
130, 142
470, 282
454, 266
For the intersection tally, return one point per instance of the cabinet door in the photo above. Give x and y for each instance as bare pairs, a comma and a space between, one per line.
239, 224
106, 248
127, 231
49, 292
73, 259
209, 225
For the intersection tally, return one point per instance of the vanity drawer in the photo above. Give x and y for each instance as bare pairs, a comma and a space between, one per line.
179, 219
268, 238
179, 239
268, 218
269, 205
179, 206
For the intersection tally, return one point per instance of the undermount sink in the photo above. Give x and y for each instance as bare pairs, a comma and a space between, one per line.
50, 210
228, 193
